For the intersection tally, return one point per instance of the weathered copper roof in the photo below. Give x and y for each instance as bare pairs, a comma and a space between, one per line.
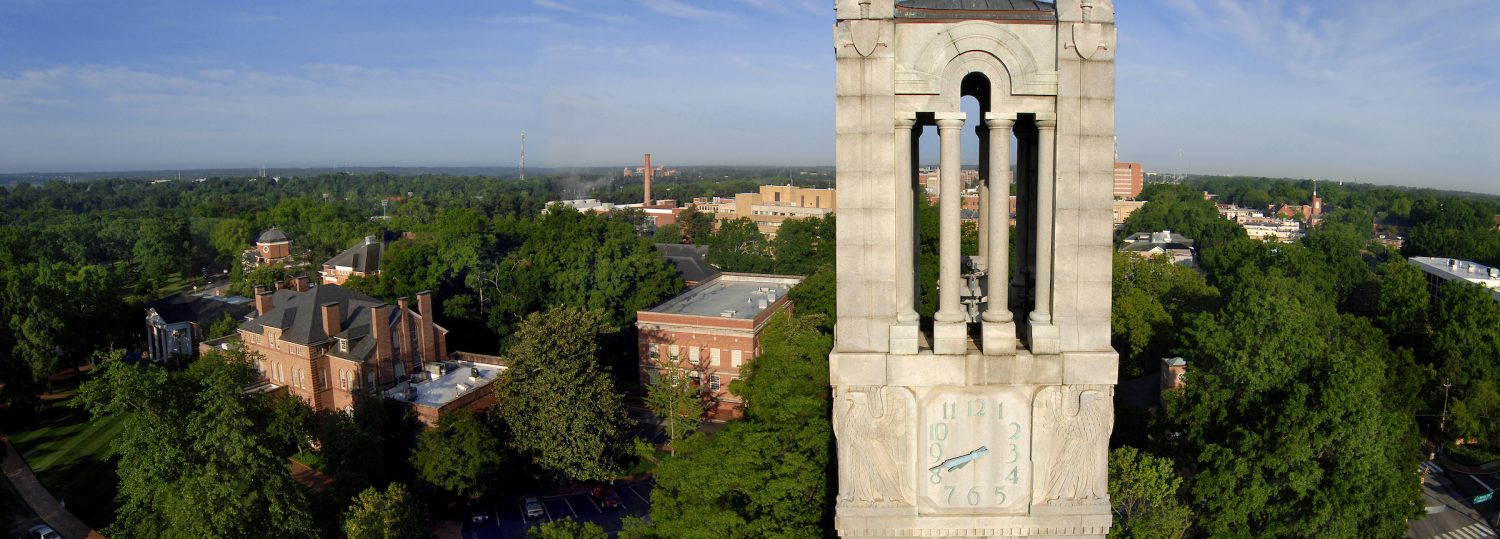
1009, 10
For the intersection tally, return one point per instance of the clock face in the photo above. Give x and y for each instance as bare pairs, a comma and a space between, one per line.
975, 454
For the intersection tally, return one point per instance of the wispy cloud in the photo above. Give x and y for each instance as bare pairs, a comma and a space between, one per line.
612, 18
675, 8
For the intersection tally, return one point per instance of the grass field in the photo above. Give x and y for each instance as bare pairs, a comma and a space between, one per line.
70, 455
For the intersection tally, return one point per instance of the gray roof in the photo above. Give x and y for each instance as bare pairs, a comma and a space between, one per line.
299, 316
1013, 10
689, 260
730, 295
364, 258
200, 309
274, 235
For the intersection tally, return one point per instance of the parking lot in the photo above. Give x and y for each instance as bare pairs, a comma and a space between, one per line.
511, 521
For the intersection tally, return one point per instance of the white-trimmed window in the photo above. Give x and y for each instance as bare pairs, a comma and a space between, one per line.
736, 357
714, 356
653, 351
693, 355
672, 352
343, 345
343, 379
713, 382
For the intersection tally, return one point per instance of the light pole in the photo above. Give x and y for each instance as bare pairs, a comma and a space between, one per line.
1443, 423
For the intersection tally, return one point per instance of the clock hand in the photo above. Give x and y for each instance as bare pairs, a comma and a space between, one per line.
961, 460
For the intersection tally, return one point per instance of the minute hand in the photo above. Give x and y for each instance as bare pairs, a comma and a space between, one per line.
959, 461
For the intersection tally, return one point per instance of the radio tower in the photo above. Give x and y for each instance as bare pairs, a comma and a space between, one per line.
523, 155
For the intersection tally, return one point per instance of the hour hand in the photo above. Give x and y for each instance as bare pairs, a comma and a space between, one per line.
961, 460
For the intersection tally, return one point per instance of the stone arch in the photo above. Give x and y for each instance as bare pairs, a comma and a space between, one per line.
927, 68
962, 67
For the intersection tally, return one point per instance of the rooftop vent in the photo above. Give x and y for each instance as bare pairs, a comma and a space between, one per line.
1494, 273
460, 387
727, 314
475, 373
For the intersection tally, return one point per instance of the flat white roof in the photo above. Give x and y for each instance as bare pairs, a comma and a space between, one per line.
1449, 269
461, 378
730, 295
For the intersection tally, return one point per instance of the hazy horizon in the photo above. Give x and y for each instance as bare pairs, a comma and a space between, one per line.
1385, 92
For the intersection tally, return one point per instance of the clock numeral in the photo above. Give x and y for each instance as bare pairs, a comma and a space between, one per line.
950, 494
999, 411
973, 496
999, 495
938, 432
936, 478
1015, 454
975, 411
1015, 433
935, 451
950, 410
1013, 476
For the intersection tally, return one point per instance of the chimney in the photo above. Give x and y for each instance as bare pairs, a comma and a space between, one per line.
648, 179
280, 285
262, 300
333, 321
380, 331
300, 284
426, 335
404, 332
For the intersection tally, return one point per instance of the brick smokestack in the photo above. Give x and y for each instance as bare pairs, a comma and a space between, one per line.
333, 318
648, 179
426, 336
380, 331
403, 334
262, 300
300, 284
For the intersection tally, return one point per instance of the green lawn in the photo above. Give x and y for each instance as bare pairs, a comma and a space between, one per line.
70, 455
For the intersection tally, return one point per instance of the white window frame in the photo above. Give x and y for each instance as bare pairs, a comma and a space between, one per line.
736, 358
693, 355
715, 356
713, 383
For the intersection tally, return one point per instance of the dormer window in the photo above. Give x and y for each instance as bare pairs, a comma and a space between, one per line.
343, 345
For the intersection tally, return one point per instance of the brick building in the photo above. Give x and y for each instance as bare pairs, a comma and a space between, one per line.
272, 247
772, 205
1128, 179
176, 324
324, 343
712, 330
361, 260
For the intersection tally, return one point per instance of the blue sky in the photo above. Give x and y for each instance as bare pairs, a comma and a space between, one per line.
1384, 91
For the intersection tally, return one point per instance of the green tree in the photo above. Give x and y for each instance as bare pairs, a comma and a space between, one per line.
230, 238
675, 399
567, 528
224, 326
1143, 489
1402, 305
560, 405
696, 226
194, 461
739, 246
161, 249
459, 455
1152, 299
765, 475
802, 246
816, 298
390, 514
1323, 374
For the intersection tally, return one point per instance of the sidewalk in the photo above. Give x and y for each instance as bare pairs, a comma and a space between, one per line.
41, 501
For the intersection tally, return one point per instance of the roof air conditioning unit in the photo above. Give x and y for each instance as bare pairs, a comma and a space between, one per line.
727, 314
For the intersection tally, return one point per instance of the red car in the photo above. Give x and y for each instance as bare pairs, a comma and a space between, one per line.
605, 496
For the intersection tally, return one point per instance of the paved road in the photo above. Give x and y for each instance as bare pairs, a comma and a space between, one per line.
15, 515
19, 478
1449, 498
512, 522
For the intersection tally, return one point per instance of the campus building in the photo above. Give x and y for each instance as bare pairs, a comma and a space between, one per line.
361, 260
1442, 270
176, 324
272, 247
327, 342
772, 205
713, 331
1128, 180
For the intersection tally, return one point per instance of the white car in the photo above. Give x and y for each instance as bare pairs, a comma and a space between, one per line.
42, 532
533, 507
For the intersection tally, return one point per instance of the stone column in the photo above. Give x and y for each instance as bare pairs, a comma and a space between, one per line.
981, 262
904, 332
950, 332
1020, 283
999, 327
1044, 335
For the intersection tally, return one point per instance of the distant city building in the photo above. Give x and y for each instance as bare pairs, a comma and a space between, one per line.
1279, 230
1128, 180
361, 260
272, 247
772, 205
1442, 270
1238, 214
328, 342
176, 324
1177, 248
713, 331
690, 260
1122, 209
660, 212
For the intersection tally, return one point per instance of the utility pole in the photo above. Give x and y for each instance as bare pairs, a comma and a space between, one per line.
523, 155
1443, 423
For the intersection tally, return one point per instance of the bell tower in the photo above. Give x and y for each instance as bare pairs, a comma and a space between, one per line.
990, 414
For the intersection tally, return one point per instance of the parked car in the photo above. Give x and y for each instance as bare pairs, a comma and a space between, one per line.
42, 532
605, 496
478, 514
533, 507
